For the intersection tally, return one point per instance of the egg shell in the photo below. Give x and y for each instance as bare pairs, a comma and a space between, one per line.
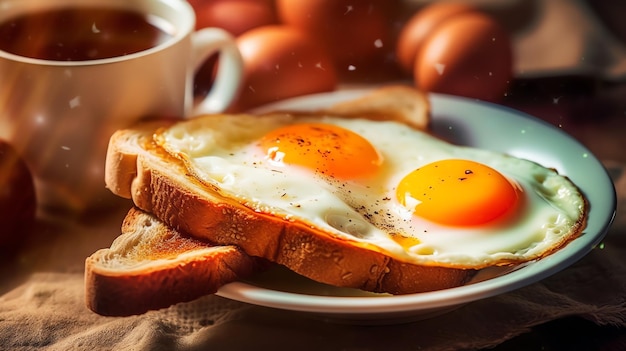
357, 33
235, 16
469, 56
282, 62
422, 25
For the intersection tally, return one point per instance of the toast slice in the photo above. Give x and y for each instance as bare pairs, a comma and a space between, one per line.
152, 266
160, 184
407, 106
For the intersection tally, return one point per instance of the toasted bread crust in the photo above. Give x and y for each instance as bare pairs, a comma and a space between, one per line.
151, 277
407, 106
160, 184
326, 259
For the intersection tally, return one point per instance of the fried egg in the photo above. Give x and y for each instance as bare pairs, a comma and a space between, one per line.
412, 195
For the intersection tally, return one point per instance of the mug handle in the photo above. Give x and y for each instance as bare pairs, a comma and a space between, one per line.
206, 42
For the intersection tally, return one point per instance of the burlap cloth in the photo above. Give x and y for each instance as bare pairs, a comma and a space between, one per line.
41, 295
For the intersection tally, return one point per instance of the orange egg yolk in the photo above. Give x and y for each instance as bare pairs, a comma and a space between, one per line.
458, 192
328, 149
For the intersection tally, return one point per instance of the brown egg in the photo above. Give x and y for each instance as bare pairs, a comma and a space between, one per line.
235, 16
17, 199
470, 56
356, 33
282, 62
422, 25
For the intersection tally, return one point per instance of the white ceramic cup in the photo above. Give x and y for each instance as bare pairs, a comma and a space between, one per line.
60, 114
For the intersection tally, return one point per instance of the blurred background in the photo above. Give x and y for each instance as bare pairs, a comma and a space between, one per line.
560, 60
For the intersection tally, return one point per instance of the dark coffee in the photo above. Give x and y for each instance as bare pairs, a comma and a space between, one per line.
79, 34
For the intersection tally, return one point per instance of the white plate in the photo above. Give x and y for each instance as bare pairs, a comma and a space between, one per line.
466, 122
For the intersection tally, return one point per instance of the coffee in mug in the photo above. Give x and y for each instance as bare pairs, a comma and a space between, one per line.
81, 33
72, 72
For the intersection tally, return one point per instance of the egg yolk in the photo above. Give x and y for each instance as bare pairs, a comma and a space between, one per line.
457, 192
325, 148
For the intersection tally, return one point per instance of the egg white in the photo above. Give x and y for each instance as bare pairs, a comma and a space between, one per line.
223, 151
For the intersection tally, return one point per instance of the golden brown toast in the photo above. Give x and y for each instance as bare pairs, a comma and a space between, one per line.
152, 266
160, 184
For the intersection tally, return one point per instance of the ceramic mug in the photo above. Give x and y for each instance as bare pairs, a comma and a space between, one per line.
58, 108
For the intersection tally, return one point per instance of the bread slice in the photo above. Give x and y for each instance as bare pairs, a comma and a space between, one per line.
408, 106
152, 266
158, 183
398, 103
